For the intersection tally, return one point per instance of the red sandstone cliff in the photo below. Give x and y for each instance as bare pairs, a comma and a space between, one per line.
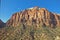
37, 16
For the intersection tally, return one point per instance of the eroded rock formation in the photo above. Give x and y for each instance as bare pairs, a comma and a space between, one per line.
37, 16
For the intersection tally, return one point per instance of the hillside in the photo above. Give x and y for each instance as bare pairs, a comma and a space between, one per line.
25, 32
2, 24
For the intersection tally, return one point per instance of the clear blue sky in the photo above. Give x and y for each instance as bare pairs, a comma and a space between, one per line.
8, 7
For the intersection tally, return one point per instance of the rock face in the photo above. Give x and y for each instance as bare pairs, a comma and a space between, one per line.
37, 16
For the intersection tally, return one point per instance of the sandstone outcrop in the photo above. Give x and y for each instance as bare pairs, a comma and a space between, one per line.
35, 15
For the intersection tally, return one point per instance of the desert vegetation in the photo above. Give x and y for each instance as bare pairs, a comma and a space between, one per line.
26, 32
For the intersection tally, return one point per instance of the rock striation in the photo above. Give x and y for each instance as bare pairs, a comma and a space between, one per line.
35, 15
